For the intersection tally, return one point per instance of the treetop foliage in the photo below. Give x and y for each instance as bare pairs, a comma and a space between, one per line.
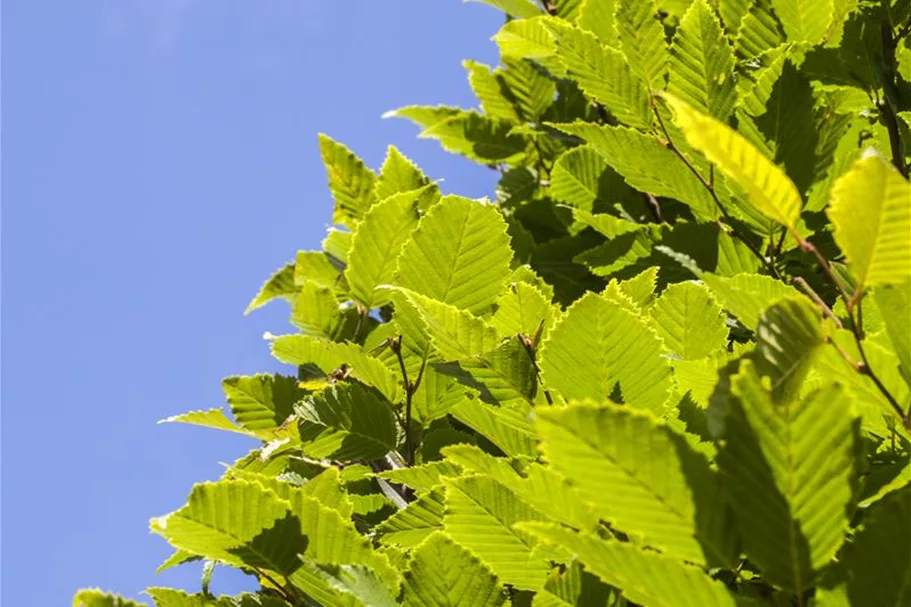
668, 364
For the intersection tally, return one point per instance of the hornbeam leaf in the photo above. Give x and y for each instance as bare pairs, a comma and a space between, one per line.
516, 8
212, 418
526, 39
747, 295
262, 402
875, 569
376, 245
635, 155
645, 577
317, 267
480, 515
805, 20
279, 285
459, 254
399, 175
893, 302
598, 349
642, 39
350, 182
583, 179
93, 597
347, 422
357, 582
522, 309
755, 88
791, 472
530, 91
702, 63
574, 587
454, 333
238, 522
169, 597
689, 321
509, 429
421, 478
787, 337
767, 187
315, 311
441, 573
871, 214
411, 525
480, 138
491, 91
759, 31
597, 17
602, 73
641, 477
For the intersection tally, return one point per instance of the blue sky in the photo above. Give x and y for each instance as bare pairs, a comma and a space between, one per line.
159, 161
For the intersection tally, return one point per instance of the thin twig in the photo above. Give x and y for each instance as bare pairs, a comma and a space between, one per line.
709, 186
802, 284
531, 345
395, 344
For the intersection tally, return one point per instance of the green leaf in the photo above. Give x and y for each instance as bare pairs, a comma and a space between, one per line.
787, 337
597, 17
212, 418
645, 577
336, 245
641, 477
689, 321
347, 422
573, 587
459, 254
876, 567
893, 302
642, 40
169, 597
602, 73
582, 178
491, 92
805, 20
357, 582
871, 214
350, 182
262, 402
454, 333
480, 514
516, 8
754, 89
443, 574
768, 188
702, 63
317, 267
504, 376
599, 348
376, 245
279, 285
436, 395
92, 597
791, 473
523, 308
759, 30
635, 155
421, 478
411, 525
531, 92
747, 295
399, 175
315, 311
509, 429
238, 522
526, 39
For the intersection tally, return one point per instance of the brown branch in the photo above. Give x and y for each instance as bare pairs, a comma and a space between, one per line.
799, 282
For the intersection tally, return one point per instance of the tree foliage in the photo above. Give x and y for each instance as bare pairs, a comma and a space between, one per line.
667, 366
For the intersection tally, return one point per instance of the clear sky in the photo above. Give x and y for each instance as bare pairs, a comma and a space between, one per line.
159, 161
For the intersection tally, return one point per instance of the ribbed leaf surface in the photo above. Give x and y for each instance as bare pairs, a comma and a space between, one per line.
490, 91
509, 429
347, 422
92, 597
747, 295
642, 40
645, 577
459, 254
421, 478
876, 568
787, 337
603, 73
805, 20
689, 321
398, 175
376, 244
573, 587
238, 522
279, 285
599, 349
523, 308
871, 213
641, 477
597, 17
411, 525
635, 155
767, 187
211, 418
480, 514
702, 63
262, 402
169, 597
759, 31
578, 178
443, 574
791, 473
350, 182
